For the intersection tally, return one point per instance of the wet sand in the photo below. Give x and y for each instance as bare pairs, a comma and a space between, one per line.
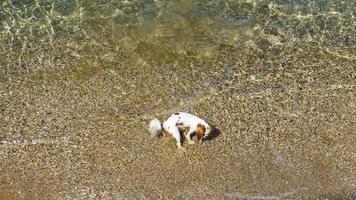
287, 125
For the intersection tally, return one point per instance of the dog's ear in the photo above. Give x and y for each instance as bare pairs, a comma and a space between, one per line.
200, 131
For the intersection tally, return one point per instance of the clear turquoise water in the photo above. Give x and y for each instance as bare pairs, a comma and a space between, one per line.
57, 34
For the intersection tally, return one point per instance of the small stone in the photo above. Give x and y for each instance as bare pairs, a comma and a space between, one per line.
279, 159
252, 77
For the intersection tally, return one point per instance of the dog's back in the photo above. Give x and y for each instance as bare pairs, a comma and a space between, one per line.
190, 120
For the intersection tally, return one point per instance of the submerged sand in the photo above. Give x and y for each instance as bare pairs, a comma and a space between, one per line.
287, 125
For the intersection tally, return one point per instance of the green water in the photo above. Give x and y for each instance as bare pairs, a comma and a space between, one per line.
62, 34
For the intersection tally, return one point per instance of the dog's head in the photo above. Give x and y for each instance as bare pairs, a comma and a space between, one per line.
211, 133
206, 132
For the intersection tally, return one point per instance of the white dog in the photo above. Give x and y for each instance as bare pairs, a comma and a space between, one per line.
181, 122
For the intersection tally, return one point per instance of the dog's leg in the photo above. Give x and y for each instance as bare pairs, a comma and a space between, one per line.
166, 135
176, 135
188, 135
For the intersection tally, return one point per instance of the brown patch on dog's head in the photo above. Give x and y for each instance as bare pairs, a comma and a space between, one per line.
177, 113
200, 131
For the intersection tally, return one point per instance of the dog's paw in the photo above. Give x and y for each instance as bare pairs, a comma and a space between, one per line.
191, 142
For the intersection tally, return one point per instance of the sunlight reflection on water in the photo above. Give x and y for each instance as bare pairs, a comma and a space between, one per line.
38, 34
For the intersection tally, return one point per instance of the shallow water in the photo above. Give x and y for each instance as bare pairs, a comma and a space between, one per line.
53, 34
79, 81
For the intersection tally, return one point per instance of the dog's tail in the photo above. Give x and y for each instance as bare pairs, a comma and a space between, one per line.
155, 127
